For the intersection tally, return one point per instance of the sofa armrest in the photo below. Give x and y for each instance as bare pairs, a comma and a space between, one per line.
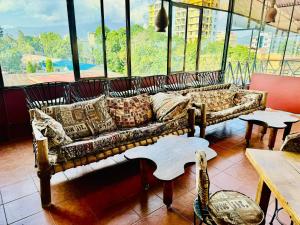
42, 149
263, 101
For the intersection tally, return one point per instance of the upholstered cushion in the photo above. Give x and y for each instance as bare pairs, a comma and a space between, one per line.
83, 119
243, 96
232, 110
167, 106
110, 140
234, 208
50, 128
214, 100
291, 143
130, 112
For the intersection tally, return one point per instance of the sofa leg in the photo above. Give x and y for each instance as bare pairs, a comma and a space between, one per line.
202, 131
191, 121
45, 188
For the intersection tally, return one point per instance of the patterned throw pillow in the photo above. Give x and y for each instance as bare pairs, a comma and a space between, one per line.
216, 100
168, 106
130, 112
50, 128
83, 119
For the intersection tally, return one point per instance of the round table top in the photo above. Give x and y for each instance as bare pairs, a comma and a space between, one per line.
170, 154
275, 119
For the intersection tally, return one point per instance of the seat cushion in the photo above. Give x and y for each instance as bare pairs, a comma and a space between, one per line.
168, 106
83, 119
110, 140
215, 100
130, 112
234, 208
291, 143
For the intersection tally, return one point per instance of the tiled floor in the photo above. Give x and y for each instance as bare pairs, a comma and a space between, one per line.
104, 194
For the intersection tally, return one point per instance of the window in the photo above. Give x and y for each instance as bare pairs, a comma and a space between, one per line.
115, 32
213, 38
89, 38
148, 47
35, 43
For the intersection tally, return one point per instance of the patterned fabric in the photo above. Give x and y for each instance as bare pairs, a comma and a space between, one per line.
232, 110
243, 96
291, 143
130, 112
49, 128
202, 180
109, 140
234, 208
167, 106
83, 119
214, 100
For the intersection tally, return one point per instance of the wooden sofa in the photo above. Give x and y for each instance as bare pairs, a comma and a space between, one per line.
64, 93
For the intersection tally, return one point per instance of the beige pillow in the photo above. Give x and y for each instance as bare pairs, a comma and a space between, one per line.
130, 112
168, 106
216, 100
50, 128
83, 119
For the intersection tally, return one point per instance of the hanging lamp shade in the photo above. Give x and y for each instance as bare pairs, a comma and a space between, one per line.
271, 13
161, 20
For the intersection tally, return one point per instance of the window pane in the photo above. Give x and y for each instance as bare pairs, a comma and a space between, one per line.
178, 38
115, 28
89, 38
213, 37
35, 45
148, 47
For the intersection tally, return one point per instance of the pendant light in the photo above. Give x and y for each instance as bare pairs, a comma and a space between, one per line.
271, 13
161, 20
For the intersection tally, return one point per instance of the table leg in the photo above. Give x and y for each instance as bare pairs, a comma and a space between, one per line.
168, 193
287, 130
248, 133
263, 197
263, 131
272, 138
143, 174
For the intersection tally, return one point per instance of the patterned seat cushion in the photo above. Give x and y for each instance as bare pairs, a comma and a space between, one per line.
168, 106
114, 139
50, 128
83, 119
234, 208
131, 111
215, 100
291, 143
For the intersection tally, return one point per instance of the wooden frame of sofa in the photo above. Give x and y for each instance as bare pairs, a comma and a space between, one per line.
46, 169
202, 121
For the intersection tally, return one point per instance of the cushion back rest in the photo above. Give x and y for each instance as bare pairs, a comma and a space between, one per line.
202, 179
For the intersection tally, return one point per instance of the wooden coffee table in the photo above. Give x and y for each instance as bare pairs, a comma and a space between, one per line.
170, 154
269, 119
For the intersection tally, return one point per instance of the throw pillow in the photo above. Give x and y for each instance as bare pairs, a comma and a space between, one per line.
130, 112
168, 106
216, 100
50, 128
83, 119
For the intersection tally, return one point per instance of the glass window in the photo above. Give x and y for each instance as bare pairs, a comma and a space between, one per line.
213, 38
115, 29
35, 43
148, 47
89, 38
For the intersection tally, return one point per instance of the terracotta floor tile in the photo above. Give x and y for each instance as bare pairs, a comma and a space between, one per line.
41, 218
226, 182
2, 216
163, 216
74, 173
17, 190
220, 163
72, 211
23, 207
184, 205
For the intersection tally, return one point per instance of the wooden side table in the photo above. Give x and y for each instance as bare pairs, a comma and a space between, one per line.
269, 119
170, 154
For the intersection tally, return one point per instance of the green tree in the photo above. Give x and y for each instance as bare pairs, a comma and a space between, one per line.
1, 32
49, 66
31, 67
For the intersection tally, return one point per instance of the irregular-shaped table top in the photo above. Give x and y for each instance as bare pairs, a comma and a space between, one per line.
170, 154
275, 119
